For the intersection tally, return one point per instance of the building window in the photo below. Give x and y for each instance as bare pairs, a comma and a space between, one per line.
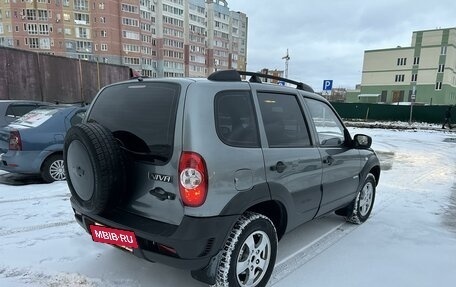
32, 29
43, 29
82, 32
441, 68
81, 19
130, 8
83, 46
416, 61
31, 14
130, 35
414, 77
131, 48
45, 43
438, 86
443, 50
130, 22
33, 43
131, 61
401, 61
104, 47
81, 5
399, 78
43, 15
103, 33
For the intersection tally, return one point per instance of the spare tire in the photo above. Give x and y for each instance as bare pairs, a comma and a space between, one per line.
95, 167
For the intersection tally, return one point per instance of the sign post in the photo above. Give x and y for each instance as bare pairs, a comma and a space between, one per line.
327, 87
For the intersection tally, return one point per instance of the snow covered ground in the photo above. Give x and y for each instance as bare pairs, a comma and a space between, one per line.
410, 239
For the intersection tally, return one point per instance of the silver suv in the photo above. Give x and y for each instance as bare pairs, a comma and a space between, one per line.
208, 174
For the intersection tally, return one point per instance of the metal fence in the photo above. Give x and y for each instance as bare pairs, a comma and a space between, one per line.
33, 76
381, 112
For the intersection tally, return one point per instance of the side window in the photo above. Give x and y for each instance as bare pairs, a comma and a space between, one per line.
77, 118
235, 119
283, 120
329, 128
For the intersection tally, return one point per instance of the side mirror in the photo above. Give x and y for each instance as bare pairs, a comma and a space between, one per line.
362, 141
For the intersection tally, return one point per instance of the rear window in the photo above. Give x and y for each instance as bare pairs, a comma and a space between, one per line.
18, 110
36, 117
141, 116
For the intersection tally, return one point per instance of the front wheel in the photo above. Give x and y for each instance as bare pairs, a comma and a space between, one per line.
362, 206
249, 253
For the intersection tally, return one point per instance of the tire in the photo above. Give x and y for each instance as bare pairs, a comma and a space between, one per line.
95, 167
361, 207
239, 260
53, 169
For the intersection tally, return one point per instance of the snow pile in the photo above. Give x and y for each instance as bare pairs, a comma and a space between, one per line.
397, 125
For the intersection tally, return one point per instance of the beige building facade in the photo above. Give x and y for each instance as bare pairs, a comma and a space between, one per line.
424, 73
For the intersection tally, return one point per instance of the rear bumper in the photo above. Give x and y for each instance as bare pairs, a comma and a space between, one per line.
195, 241
20, 161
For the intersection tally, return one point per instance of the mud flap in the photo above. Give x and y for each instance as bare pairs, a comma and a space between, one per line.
208, 273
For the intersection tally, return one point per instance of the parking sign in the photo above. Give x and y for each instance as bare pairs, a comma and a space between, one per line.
327, 85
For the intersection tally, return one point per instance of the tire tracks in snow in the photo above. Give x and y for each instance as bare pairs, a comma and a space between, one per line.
294, 261
36, 227
35, 198
306, 253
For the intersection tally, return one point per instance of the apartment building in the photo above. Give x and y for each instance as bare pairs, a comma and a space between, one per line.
425, 72
158, 38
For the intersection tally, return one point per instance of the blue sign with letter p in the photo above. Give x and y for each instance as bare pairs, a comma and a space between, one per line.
327, 85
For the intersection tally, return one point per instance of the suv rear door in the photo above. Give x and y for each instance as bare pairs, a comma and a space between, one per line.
292, 163
142, 116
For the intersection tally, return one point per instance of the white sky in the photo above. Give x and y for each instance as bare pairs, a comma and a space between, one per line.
327, 39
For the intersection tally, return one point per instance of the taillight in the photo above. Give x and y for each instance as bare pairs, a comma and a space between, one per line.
193, 179
15, 142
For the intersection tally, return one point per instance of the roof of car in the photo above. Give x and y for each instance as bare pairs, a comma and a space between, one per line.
22, 101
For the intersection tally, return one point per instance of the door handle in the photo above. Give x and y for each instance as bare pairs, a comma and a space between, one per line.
329, 160
279, 167
161, 194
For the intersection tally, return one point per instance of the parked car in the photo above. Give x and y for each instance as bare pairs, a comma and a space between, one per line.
208, 174
11, 110
33, 144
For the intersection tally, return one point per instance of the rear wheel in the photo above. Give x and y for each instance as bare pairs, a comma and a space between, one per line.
249, 253
53, 169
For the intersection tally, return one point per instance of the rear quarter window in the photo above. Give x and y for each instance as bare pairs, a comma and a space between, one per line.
235, 119
141, 116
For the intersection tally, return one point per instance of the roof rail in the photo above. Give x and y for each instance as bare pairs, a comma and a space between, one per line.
235, 76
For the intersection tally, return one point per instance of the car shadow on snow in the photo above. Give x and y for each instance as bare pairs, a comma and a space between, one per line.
20, 179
